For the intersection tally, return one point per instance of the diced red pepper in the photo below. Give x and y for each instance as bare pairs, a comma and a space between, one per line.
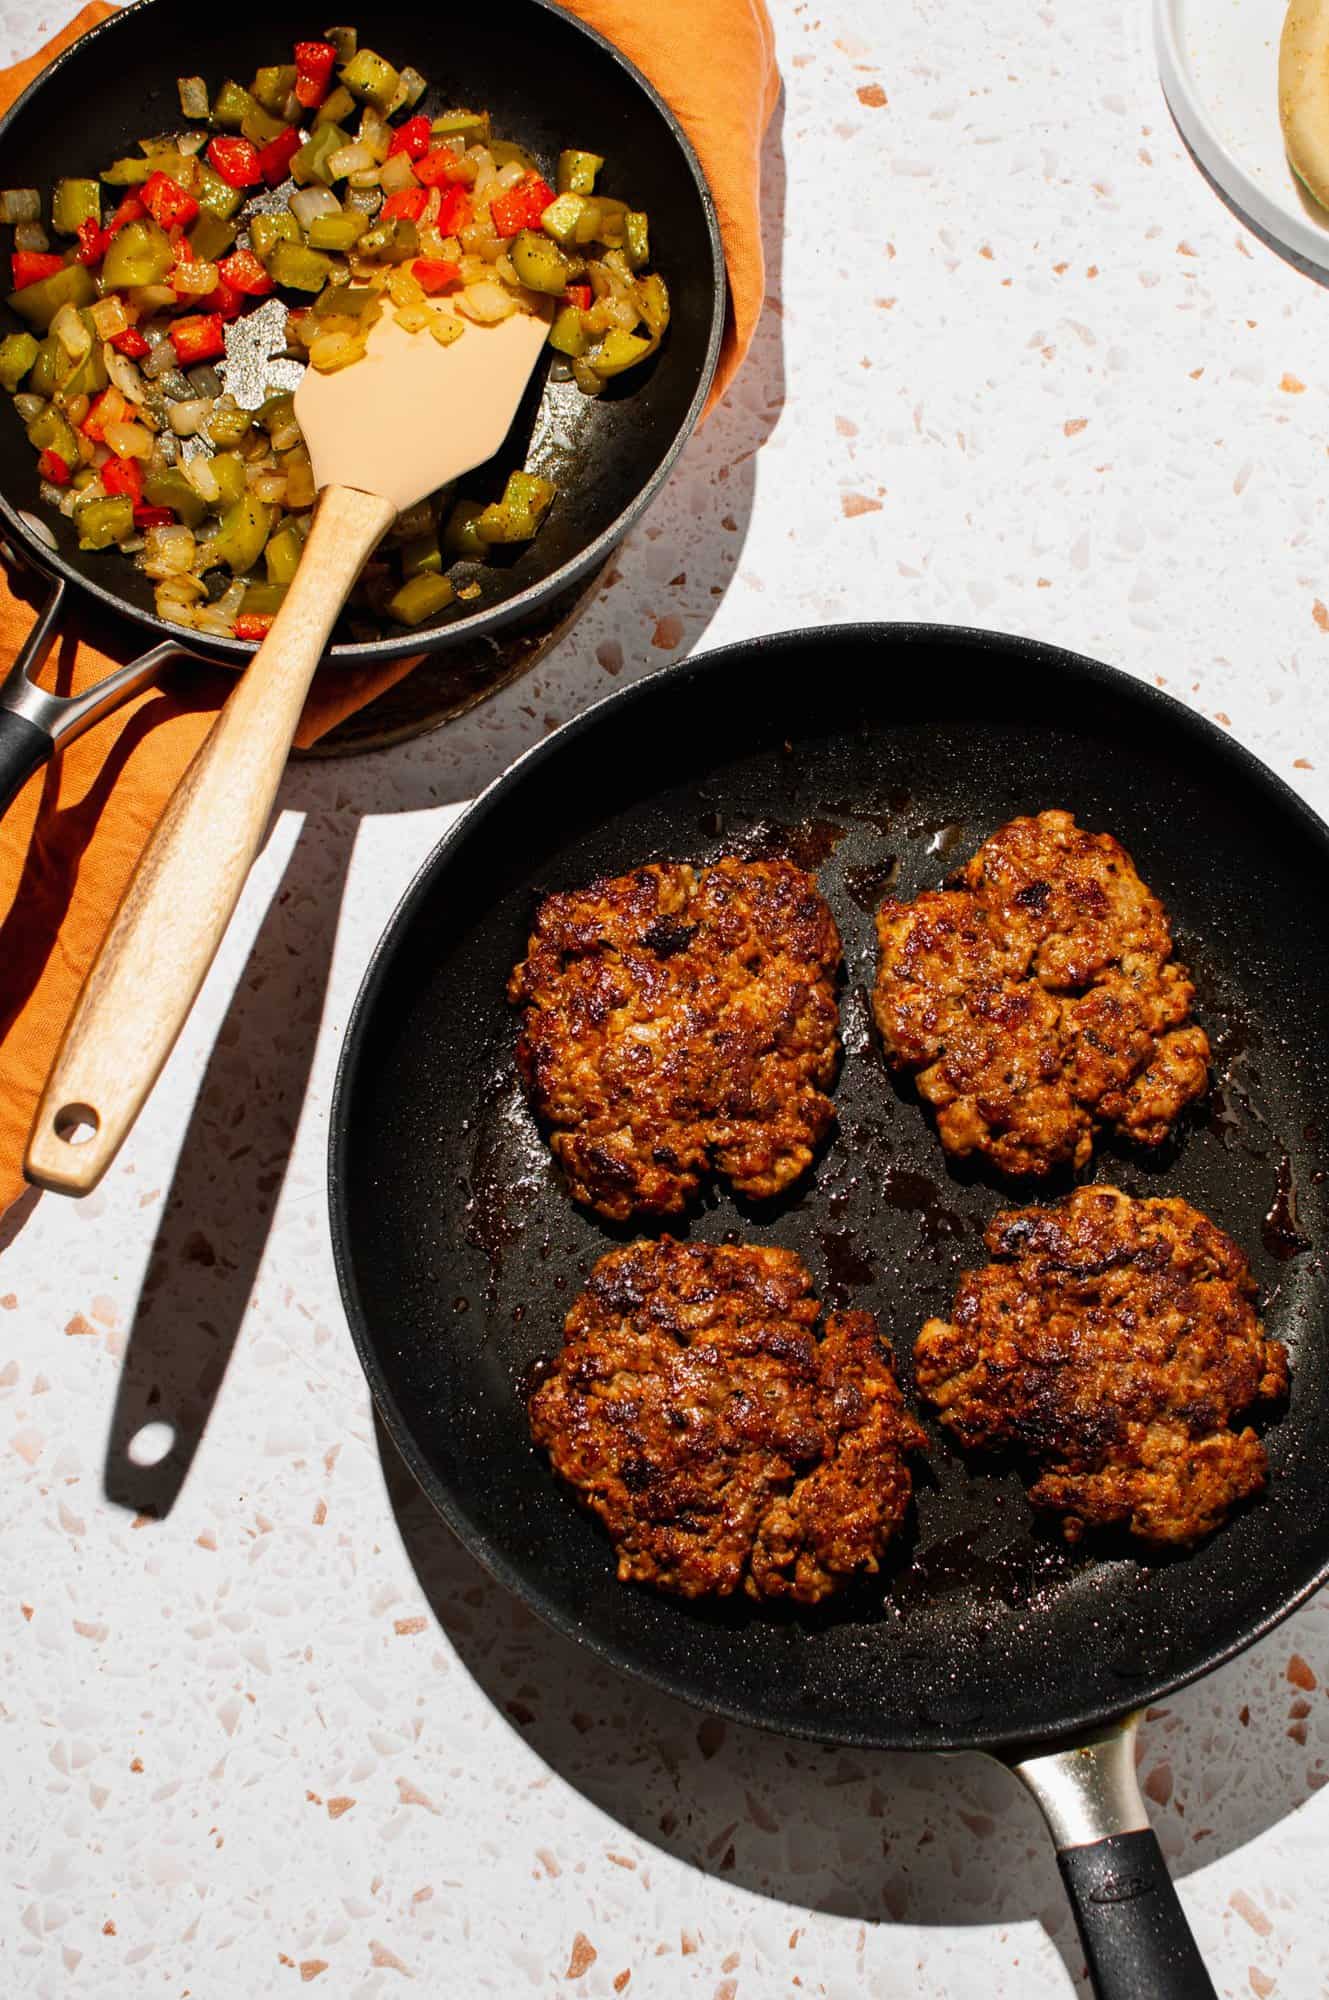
275, 158
409, 202
123, 475
522, 206
439, 166
198, 338
92, 242
435, 274
153, 517
108, 408
314, 64
131, 342
131, 209
253, 625
167, 202
51, 466
578, 295
235, 159
243, 272
412, 138
30, 266
455, 211
225, 301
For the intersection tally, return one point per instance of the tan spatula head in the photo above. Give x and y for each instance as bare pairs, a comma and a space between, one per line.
412, 416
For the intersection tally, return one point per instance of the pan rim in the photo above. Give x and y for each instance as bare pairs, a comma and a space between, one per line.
479, 624
1058, 1729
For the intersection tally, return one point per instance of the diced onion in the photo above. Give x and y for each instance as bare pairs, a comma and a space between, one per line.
367, 199
29, 406
413, 86
396, 174
71, 333
352, 159
149, 297
193, 96
52, 496
109, 316
31, 236
375, 132
228, 604
129, 440
509, 176
187, 418
311, 202
269, 487
286, 435
201, 476
20, 205
413, 318
159, 362
331, 351
168, 551
196, 280
486, 302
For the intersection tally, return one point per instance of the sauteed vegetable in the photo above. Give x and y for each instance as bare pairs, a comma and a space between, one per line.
321, 185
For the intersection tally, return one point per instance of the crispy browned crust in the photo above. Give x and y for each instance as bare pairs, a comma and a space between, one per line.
679, 1022
1039, 999
1112, 1341
721, 1443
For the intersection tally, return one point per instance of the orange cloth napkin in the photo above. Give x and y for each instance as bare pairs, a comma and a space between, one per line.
69, 842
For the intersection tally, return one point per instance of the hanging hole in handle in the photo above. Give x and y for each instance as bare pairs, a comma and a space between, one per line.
76, 1124
151, 1444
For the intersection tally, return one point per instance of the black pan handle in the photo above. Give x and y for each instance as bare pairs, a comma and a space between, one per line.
24, 748
1132, 1926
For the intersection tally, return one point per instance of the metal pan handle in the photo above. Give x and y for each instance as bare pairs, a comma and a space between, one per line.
1132, 1926
34, 724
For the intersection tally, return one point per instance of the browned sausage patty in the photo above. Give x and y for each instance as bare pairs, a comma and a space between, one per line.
721, 1442
1038, 998
679, 1021
1112, 1341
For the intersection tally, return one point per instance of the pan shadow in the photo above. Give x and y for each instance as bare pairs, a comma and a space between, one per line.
217, 1214
872, 1836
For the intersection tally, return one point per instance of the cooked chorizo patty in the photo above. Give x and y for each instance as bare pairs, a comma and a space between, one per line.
680, 1021
721, 1442
1038, 999
1112, 1341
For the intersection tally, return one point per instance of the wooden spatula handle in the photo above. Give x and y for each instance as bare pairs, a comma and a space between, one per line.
179, 900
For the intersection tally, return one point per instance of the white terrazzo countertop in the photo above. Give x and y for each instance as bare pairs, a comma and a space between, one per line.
1019, 367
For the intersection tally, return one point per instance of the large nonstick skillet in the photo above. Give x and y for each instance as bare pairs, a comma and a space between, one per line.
549, 82
876, 754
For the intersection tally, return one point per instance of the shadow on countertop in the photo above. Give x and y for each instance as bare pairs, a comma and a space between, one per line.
874, 1836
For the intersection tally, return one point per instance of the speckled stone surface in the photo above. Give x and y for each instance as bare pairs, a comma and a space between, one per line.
1019, 367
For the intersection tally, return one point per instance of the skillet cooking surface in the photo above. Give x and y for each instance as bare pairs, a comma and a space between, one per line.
459, 1252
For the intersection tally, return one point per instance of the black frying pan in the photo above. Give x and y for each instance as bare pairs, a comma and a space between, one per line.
459, 1252
549, 82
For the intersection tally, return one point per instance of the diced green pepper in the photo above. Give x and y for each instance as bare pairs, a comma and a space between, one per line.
604, 219
87, 376
140, 254
577, 171
459, 536
215, 195
336, 107
229, 470
540, 264
562, 216
371, 78
267, 231
346, 301
103, 521
263, 600
232, 105
420, 598
18, 351
260, 127
73, 203
652, 300
39, 303
282, 555
239, 540
128, 172
391, 242
48, 368
276, 412
506, 154
338, 232
420, 554
518, 514
619, 350
311, 162
472, 127
272, 86
170, 488
568, 334
51, 432
300, 269
636, 239
228, 428
85, 476
210, 237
